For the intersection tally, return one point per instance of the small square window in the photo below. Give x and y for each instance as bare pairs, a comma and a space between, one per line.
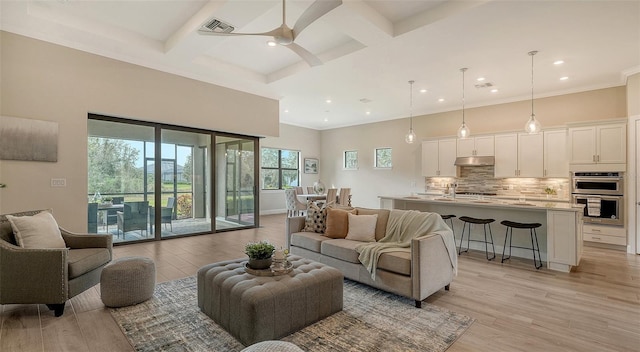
383, 158
350, 160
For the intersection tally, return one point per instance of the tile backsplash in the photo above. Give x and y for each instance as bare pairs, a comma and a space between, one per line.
480, 179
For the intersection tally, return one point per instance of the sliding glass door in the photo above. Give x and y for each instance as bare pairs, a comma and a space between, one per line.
150, 181
235, 187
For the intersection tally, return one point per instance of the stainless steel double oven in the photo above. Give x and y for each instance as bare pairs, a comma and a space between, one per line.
602, 193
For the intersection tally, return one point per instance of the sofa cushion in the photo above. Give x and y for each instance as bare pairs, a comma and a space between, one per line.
397, 262
83, 260
341, 249
37, 231
362, 228
316, 217
381, 224
308, 240
337, 222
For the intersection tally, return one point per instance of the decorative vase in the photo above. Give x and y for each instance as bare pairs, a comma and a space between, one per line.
260, 264
319, 187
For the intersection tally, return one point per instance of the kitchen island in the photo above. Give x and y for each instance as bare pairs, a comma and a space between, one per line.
560, 236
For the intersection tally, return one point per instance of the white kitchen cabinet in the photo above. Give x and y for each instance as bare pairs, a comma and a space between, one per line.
438, 158
600, 144
530, 155
556, 161
564, 251
476, 146
518, 155
605, 234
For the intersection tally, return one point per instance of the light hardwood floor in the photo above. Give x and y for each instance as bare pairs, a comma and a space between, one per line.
596, 308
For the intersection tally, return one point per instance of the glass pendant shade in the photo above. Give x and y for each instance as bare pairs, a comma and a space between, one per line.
532, 126
463, 131
410, 137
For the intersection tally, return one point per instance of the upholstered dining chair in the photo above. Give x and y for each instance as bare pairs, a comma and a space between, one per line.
332, 195
31, 274
310, 190
294, 206
344, 198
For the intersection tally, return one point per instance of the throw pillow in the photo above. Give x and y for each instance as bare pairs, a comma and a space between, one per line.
316, 217
337, 222
362, 228
37, 231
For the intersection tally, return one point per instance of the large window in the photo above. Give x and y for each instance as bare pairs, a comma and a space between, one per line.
280, 168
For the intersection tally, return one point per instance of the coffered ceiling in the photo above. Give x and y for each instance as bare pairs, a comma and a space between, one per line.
370, 49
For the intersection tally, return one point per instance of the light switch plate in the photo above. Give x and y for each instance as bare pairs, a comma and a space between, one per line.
58, 182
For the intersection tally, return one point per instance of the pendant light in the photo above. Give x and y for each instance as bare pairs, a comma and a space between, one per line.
410, 137
532, 126
463, 131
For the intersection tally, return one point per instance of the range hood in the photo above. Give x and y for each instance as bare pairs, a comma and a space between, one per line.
475, 161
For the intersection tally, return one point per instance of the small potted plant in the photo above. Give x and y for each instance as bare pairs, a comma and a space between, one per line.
550, 191
259, 254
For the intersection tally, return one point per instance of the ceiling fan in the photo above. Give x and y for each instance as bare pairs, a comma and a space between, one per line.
284, 35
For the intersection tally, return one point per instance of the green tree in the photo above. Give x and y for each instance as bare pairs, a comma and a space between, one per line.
187, 169
112, 166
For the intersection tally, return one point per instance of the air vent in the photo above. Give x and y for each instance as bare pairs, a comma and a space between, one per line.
484, 85
365, 100
217, 26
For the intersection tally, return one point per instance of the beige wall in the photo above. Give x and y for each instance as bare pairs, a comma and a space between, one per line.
49, 82
305, 140
405, 177
633, 95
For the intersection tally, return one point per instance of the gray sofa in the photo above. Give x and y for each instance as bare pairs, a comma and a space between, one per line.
423, 271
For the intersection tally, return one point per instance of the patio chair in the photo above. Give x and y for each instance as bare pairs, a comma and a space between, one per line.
112, 214
92, 218
51, 276
166, 214
133, 217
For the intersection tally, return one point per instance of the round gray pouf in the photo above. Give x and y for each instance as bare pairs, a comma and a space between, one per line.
273, 346
127, 281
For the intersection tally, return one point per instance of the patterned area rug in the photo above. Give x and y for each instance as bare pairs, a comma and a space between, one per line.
372, 320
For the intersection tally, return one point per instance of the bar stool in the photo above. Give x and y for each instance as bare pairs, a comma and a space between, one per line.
485, 223
450, 218
532, 232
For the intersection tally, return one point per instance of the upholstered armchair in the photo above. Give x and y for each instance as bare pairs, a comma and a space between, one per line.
50, 276
134, 216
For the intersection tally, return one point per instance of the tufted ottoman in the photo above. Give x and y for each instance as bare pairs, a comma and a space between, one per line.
258, 308
127, 281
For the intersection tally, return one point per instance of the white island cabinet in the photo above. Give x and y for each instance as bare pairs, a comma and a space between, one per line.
559, 236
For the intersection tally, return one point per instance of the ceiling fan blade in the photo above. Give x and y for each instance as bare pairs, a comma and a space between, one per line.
272, 33
318, 9
304, 54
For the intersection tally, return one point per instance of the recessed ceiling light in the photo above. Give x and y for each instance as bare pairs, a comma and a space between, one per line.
494, 91
368, 112
564, 78
328, 101
558, 62
423, 90
286, 110
441, 100
480, 79
326, 119
271, 43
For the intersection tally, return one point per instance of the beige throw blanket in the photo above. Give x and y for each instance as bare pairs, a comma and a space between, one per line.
403, 226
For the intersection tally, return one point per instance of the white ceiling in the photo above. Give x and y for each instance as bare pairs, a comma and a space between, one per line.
370, 49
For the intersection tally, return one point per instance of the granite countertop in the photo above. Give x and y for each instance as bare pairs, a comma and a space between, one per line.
492, 201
